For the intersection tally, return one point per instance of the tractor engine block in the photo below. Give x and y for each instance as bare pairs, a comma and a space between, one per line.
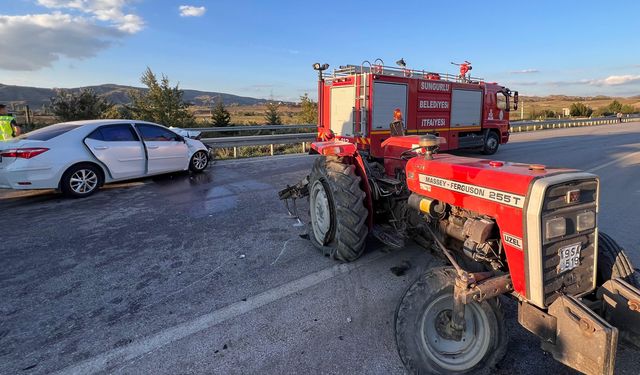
476, 236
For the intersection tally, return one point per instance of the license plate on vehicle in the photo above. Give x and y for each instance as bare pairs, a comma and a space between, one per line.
569, 257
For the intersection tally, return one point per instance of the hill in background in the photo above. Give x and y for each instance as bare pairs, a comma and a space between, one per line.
36, 97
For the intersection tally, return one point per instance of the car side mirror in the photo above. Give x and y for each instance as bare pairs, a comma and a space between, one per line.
181, 139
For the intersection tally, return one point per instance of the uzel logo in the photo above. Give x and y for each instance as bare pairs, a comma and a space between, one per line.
434, 86
512, 240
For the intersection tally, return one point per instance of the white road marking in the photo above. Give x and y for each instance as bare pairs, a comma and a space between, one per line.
103, 361
596, 168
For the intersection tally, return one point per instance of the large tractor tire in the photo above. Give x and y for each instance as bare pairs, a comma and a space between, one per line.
614, 263
336, 204
420, 323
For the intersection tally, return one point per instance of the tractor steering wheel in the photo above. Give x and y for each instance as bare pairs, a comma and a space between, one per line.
407, 154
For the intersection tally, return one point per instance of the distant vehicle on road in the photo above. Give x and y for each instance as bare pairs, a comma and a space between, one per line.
78, 157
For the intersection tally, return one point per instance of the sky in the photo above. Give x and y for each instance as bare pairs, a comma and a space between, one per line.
266, 48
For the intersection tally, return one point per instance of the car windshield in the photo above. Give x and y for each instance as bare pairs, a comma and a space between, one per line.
49, 132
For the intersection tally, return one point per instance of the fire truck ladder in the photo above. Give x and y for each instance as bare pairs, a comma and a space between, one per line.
379, 69
364, 98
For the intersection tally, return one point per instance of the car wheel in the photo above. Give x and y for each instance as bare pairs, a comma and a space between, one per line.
81, 180
199, 162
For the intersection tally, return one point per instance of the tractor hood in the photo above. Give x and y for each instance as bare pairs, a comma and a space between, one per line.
463, 181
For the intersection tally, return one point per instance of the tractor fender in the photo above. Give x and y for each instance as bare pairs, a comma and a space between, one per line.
350, 152
334, 148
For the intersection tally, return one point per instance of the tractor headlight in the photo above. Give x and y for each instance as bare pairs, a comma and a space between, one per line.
586, 220
556, 227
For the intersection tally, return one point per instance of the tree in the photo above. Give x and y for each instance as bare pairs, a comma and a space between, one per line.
160, 103
79, 105
117, 112
272, 115
547, 113
579, 109
602, 111
628, 109
220, 115
615, 107
309, 110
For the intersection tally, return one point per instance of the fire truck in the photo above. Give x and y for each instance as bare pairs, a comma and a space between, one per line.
524, 232
356, 104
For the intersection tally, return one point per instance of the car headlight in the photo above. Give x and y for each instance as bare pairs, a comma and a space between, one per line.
586, 220
556, 227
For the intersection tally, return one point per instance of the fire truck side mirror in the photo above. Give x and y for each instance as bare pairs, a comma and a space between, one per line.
515, 100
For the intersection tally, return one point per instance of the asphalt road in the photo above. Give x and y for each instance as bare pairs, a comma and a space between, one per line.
200, 274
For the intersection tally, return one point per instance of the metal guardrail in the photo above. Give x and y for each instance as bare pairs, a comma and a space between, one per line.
304, 138
259, 140
243, 128
524, 126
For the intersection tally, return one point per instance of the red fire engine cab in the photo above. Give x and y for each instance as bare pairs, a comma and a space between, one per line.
356, 104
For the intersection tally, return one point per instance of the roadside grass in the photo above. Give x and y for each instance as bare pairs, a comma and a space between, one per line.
250, 115
254, 151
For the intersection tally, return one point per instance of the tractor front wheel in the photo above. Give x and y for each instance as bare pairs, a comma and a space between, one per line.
422, 329
613, 262
336, 204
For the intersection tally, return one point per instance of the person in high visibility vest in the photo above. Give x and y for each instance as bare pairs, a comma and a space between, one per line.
8, 124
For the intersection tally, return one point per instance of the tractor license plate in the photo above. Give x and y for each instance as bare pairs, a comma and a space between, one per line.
569, 257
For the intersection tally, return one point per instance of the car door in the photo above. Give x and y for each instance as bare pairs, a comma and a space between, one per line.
166, 150
119, 148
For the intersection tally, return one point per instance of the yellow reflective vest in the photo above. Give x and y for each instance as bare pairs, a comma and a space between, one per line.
6, 130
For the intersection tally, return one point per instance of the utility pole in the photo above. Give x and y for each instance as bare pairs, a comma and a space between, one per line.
27, 114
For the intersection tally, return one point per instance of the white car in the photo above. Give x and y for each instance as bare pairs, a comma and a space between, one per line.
78, 157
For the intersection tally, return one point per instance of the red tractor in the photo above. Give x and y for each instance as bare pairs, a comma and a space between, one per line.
523, 231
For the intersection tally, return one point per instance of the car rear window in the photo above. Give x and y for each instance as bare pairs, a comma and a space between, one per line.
49, 132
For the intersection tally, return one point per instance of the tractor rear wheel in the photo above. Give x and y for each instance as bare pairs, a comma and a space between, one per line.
421, 324
336, 204
614, 263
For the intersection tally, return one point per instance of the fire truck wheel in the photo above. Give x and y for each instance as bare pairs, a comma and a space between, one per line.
614, 263
337, 211
491, 143
421, 321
